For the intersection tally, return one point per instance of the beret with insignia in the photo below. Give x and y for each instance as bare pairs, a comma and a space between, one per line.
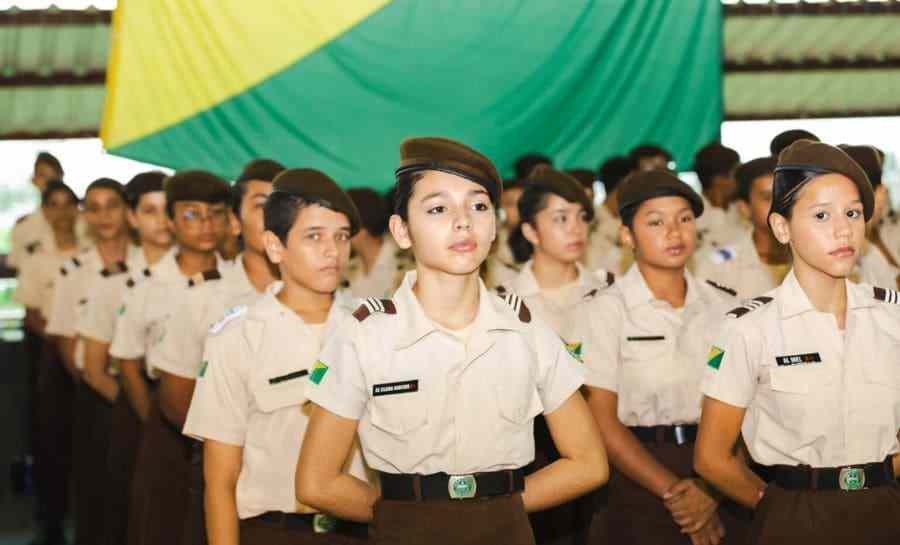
315, 186
452, 157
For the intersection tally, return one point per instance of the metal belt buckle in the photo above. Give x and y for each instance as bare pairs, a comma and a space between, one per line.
852, 478
680, 439
323, 524
461, 487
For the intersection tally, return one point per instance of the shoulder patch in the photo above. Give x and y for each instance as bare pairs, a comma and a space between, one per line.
205, 276
373, 305
887, 295
750, 305
720, 287
118, 267
130, 283
230, 315
518, 305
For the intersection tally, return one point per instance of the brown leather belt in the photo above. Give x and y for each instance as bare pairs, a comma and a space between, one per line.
443, 486
679, 434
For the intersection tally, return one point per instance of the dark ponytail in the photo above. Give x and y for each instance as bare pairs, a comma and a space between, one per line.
532, 201
519, 245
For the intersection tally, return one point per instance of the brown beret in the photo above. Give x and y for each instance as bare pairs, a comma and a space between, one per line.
870, 158
445, 155
314, 186
784, 139
560, 184
645, 185
820, 158
196, 185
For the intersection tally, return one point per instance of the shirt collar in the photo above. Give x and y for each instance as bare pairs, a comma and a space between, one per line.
793, 301
637, 293
526, 285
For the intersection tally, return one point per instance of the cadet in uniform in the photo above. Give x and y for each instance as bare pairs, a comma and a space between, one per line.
52, 387
604, 249
197, 214
147, 217
249, 404
181, 351
755, 262
104, 211
555, 214
378, 265
643, 337
34, 231
715, 165
444, 381
808, 373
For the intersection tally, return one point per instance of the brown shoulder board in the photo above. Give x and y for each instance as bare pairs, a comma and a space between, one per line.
373, 305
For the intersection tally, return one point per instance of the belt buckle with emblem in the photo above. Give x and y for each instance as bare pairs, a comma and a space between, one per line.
323, 524
461, 487
852, 478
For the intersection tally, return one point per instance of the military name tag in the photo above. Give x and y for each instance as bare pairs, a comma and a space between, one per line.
391, 388
798, 359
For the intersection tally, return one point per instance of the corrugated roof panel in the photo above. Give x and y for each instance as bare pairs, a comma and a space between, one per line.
36, 110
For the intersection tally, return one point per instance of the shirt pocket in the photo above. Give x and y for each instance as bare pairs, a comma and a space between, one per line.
795, 402
401, 412
883, 368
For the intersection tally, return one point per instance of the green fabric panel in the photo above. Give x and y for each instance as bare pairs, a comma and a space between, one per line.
579, 81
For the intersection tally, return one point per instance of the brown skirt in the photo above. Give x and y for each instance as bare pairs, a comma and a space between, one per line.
159, 487
487, 521
825, 517
636, 516
124, 438
254, 531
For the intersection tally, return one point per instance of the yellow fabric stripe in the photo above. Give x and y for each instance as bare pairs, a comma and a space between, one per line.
171, 59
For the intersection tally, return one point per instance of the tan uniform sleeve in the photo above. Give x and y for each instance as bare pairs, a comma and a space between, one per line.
336, 380
220, 407
560, 374
129, 338
28, 287
732, 366
602, 343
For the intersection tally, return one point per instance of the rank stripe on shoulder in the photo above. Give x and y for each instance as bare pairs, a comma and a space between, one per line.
518, 305
750, 305
205, 276
720, 287
610, 278
887, 295
372, 305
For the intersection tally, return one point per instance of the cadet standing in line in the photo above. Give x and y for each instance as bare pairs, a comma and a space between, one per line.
33, 232
555, 214
643, 340
180, 353
808, 373
53, 387
378, 266
754, 263
147, 217
197, 214
104, 212
444, 381
249, 407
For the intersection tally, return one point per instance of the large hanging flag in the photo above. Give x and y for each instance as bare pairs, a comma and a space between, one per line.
337, 85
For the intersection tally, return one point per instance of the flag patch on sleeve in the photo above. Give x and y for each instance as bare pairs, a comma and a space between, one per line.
318, 372
715, 357
574, 349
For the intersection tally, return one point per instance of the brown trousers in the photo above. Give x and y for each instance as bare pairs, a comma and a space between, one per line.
159, 487
124, 437
54, 395
826, 517
636, 516
254, 531
195, 524
487, 521
90, 445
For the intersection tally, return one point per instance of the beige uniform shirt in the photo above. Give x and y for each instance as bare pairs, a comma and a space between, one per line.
890, 234
560, 308
737, 266
33, 234
874, 268
814, 395
107, 290
386, 273
36, 281
428, 401
251, 392
181, 351
649, 353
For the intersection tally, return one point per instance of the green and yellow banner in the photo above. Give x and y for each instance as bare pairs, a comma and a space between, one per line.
336, 85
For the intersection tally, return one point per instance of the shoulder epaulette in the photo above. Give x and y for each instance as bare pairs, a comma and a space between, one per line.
501, 290
752, 304
130, 283
205, 276
118, 267
372, 305
887, 295
76, 262
33, 247
147, 273
518, 305
63, 271
591, 294
720, 287
230, 315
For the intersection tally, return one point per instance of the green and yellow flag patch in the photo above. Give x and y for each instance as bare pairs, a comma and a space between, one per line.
203, 367
715, 357
318, 372
574, 350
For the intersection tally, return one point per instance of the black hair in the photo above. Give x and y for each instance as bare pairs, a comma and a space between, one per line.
281, 210
143, 183
54, 186
526, 163
584, 176
613, 171
403, 191
50, 160
531, 203
786, 188
786, 138
750, 171
107, 183
263, 170
647, 150
714, 160
372, 208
